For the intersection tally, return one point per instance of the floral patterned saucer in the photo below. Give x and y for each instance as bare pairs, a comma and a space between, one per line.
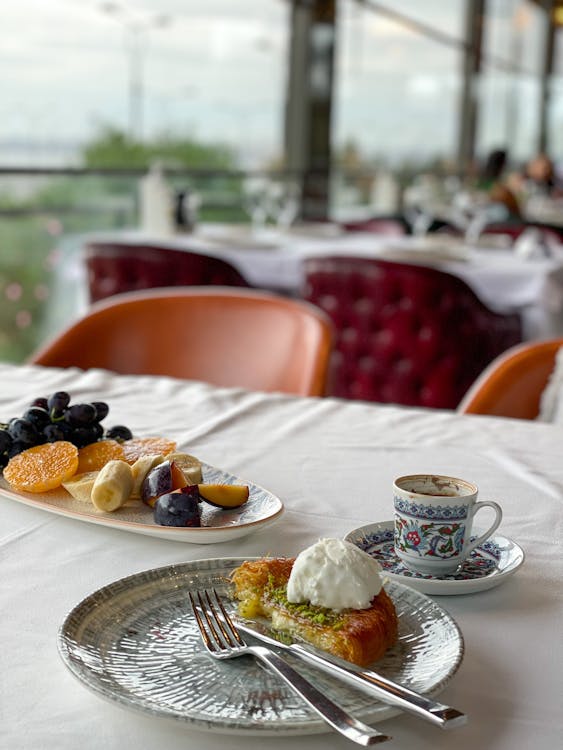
488, 565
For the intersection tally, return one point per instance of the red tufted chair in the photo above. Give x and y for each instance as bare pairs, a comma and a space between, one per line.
114, 268
405, 334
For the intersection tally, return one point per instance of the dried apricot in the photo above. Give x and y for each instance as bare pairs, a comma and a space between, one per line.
137, 447
43, 467
96, 455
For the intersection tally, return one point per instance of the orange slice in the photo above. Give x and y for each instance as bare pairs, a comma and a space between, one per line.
42, 468
136, 447
96, 455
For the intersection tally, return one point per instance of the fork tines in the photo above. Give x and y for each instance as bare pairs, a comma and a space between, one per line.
210, 608
222, 640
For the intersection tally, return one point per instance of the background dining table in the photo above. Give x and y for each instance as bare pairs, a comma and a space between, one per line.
332, 464
505, 280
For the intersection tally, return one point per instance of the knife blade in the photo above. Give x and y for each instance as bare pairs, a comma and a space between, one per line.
366, 680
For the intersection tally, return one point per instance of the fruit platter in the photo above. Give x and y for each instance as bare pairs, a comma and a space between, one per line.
58, 457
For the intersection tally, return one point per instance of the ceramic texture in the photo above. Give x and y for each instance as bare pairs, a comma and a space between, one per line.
218, 525
135, 642
488, 565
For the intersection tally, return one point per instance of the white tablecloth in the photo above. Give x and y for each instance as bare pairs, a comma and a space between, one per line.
504, 281
332, 464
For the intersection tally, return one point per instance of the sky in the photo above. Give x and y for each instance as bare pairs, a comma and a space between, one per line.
66, 67
215, 71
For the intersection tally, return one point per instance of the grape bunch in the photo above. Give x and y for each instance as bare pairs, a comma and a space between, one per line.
55, 418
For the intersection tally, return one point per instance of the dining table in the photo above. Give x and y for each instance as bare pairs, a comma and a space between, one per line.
326, 466
506, 280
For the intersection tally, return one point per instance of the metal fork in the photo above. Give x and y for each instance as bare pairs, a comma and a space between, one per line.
223, 641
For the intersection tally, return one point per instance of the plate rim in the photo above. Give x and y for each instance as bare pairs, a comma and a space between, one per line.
439, 587
155, 530
293, 727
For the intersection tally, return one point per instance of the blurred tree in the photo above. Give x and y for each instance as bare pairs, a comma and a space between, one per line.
34, 254
114, 149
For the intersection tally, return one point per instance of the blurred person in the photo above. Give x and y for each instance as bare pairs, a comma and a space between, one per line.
493, 169
501, 194
499, 191
540, 177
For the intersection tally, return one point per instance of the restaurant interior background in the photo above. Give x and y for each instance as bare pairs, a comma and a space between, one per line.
362, 101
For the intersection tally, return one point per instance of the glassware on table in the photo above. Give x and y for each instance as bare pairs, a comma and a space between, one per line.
422, 221
533, 244
284, 197
255, 202
421, 200
483, 215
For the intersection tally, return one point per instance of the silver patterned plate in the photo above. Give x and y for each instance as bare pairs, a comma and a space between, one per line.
135, 642
488, 565
261, 509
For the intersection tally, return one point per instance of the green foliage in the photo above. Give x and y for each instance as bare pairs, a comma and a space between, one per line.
25, 282
37, 262
114, 149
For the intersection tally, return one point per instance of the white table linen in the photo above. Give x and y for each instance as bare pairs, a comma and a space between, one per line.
504, 282
332, 463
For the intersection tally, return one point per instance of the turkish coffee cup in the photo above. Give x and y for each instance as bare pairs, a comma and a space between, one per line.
433, 521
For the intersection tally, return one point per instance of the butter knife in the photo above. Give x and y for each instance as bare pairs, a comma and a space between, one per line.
366, 680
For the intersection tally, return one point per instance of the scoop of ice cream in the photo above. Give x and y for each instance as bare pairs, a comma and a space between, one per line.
335, 574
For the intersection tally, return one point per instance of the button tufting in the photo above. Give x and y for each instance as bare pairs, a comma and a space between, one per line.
405, 334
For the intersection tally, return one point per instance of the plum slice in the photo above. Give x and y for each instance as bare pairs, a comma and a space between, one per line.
224, 495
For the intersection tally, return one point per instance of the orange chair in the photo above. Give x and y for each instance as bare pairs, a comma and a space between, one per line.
221, 335
511, 386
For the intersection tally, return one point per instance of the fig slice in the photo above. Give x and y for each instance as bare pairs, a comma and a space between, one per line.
163, 478
224, 495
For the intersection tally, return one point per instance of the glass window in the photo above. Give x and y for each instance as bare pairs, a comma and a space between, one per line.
509, 84
397, 88
212, 71
114, 84
393, 85
441, 16
555, 120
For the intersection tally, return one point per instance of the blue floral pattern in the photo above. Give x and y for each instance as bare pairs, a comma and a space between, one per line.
434, 513
380, 545
438, 541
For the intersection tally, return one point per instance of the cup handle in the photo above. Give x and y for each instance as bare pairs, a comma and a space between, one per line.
494, 526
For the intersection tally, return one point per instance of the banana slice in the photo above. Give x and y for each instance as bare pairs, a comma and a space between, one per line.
113, 486
190, 466
80, 485
141, 468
